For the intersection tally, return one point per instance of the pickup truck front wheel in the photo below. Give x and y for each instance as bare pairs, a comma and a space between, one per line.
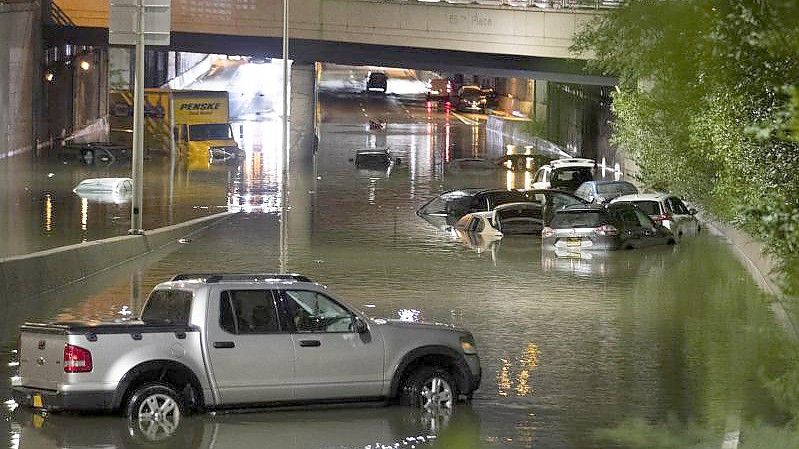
431, 388
154, 410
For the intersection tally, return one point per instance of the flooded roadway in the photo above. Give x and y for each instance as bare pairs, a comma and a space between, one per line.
669, 347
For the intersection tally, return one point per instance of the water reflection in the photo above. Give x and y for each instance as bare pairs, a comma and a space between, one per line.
338, 428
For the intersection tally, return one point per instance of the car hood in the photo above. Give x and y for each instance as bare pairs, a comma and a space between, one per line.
404, 324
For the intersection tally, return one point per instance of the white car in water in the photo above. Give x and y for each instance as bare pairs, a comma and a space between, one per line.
665, 209
510, 218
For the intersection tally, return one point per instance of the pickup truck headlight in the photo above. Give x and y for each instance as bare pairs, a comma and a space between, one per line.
467, 344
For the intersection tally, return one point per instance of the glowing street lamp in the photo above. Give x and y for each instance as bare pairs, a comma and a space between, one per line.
85, 66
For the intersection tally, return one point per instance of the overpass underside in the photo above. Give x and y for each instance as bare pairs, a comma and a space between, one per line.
498, 41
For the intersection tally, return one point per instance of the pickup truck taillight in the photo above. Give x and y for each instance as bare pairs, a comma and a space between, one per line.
77, 359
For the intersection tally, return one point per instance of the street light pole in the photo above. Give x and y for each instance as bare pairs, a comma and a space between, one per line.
138, 127
285, 179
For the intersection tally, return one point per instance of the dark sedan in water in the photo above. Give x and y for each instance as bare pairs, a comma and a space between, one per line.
447, 208
598, 227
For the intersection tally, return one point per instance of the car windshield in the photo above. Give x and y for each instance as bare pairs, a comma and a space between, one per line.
579, 219
525, 211
471, 94
614, 189
648, 207
571, 177
491, 200
210, 131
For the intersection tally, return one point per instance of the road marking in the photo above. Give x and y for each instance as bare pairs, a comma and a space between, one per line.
464, 120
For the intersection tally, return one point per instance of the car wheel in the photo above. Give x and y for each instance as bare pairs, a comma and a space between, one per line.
154, 411
430, 388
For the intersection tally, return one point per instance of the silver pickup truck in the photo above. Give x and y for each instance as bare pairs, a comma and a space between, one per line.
211, 341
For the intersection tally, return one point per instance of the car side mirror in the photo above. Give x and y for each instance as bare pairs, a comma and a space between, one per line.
358, 325
692, 211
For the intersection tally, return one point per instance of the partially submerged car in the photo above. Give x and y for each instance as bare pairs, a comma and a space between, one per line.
446, 209
565, 174
523, 162
505, 219
471, 164
604, 191
598, 227
374, 161
105, 190
665, 209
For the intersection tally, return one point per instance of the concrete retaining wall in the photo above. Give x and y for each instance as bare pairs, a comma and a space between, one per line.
44, 271
18, 72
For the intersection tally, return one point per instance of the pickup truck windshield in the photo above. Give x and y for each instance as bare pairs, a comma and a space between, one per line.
167, 307
210, 131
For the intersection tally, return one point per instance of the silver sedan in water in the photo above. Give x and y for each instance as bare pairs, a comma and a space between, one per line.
597, 227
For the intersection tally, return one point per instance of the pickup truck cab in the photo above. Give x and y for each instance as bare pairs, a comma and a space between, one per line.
210, 341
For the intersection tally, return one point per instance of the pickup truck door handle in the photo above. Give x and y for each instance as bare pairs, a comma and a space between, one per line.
310, 343
224, 344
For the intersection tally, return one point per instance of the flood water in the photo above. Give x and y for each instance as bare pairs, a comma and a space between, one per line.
667, 347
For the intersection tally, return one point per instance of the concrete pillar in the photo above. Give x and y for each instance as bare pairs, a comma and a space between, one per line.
5, 82
302, 186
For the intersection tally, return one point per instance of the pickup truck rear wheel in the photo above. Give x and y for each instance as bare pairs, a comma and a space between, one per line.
430, 388
154, 411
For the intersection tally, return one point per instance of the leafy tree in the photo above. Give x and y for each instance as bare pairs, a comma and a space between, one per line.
706, 103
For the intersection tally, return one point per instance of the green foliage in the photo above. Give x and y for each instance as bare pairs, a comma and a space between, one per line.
706, 104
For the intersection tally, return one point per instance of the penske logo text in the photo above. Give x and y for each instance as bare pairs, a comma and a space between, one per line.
199, 106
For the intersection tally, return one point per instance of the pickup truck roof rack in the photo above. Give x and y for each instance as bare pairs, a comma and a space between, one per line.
212, 278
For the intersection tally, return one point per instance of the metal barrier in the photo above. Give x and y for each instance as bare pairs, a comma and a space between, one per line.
542, 4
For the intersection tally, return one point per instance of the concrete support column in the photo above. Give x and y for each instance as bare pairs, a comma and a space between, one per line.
302, 186
5, 82
17, 42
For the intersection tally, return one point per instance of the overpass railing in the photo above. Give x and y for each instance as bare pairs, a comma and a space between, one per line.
539, 4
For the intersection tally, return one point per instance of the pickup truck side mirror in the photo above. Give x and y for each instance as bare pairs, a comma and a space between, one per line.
358, 325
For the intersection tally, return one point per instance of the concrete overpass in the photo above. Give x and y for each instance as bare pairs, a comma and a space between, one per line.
498, 40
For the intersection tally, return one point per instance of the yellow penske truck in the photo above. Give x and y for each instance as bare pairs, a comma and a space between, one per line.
201, 121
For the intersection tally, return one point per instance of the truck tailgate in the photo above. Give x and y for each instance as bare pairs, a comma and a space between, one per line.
41, 356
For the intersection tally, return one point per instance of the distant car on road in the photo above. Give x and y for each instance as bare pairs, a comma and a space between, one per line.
598, 227
440, 90
471, 99
377, 81
565, 174
667, 210
604, 191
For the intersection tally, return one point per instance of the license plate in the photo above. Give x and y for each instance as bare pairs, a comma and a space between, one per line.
574, 241
37, 401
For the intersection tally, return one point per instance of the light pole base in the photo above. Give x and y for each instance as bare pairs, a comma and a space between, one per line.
135, 231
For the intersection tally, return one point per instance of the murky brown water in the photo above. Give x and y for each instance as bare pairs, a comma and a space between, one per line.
670, 347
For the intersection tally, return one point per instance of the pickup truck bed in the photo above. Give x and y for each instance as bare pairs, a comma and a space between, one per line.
47, 354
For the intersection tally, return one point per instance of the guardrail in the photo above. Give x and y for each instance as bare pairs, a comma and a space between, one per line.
540, 4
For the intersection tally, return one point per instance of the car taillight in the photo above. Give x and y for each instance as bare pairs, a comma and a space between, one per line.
608, 230
547, 232
661, 218
77, 359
